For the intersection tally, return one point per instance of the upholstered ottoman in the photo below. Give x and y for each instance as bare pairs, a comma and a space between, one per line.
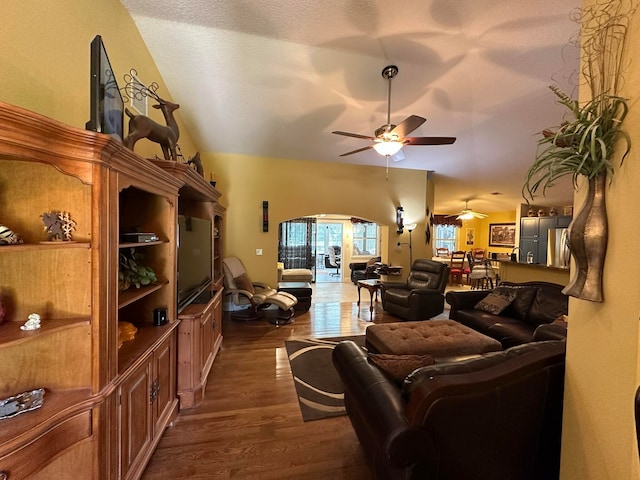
438, 338
301, 290
295, 275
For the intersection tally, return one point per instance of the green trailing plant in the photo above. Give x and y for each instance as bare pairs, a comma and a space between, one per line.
584, 143
132, 272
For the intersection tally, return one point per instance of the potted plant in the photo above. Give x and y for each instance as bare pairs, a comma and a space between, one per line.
584, 144
132, 272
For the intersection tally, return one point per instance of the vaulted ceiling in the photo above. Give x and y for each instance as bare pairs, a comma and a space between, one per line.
275, 78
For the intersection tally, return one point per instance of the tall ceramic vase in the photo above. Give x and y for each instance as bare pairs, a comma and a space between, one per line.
588, 234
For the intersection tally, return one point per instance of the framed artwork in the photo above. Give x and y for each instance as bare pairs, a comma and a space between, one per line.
471, 236
502, 234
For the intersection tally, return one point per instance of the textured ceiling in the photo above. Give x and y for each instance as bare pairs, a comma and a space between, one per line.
275, 78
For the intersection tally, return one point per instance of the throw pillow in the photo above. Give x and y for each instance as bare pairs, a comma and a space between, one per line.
522, 304
548, 304
495, 303
399, 366
243, 282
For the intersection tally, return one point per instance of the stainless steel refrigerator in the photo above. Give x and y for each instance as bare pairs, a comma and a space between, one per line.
558, 254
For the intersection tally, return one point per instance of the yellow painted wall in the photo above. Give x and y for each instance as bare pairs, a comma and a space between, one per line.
296, 188
44, 59
603, 365
481, 226
44, 67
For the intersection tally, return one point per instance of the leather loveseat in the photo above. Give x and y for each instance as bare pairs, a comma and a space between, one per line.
364, 270
496, 416
535, 306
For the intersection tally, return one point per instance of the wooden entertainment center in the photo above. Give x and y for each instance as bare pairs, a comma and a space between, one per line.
200, 330
104, 408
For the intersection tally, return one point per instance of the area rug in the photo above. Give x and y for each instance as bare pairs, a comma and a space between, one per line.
318, 385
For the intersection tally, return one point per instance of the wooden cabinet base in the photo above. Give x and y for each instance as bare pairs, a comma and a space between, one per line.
148, 404
199, 339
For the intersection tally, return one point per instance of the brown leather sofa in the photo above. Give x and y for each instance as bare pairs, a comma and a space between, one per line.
536, 305
422, 296
492, 417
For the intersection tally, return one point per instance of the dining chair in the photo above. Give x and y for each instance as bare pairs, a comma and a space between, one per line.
478, 255
442, 252
457, 268
332, 261
481, 275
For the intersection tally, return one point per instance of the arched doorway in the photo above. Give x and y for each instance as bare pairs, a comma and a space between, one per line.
326, 244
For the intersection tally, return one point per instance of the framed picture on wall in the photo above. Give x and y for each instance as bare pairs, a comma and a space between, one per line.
502, 234
471, 236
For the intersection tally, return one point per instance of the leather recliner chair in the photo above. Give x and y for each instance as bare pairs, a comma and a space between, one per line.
422, 296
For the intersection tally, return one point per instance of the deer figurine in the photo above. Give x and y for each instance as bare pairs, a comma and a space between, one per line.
197, 163
141, 126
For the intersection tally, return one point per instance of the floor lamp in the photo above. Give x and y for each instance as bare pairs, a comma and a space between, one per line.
410, 227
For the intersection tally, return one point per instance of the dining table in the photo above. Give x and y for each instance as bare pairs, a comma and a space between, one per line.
447, 260
482, 275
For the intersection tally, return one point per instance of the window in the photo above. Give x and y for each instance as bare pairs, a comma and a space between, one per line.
446, 237
365, 239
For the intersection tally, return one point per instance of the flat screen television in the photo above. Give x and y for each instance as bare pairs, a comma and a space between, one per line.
106, 104
194, 258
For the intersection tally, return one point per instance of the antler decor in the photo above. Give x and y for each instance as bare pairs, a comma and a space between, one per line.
141, 126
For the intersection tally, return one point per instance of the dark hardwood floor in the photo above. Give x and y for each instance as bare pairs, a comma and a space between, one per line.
249, 424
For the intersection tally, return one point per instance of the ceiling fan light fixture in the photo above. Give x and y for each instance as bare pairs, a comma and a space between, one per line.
387, 148
465, 216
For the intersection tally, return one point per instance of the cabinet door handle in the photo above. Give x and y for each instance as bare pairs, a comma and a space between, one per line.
153, 391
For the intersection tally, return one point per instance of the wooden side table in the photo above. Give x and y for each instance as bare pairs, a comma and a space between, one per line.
373, 286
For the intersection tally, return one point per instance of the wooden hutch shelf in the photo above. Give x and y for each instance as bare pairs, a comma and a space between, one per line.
200, 329
104, 408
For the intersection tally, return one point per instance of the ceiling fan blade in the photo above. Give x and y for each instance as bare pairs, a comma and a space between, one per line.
428, 140
357, 151
408, 125
355, 135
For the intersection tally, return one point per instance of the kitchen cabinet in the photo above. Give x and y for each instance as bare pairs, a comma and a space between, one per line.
534, 235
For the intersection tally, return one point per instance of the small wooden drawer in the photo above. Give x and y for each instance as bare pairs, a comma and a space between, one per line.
26, 461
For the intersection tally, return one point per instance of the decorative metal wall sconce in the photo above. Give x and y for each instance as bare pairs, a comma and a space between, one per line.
265, 216
399, 219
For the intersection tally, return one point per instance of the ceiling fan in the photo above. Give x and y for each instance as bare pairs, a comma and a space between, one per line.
467, 213
389, 138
